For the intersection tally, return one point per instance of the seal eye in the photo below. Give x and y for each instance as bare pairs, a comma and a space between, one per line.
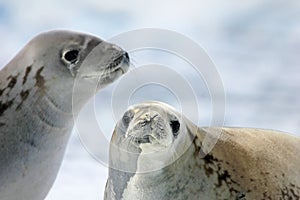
71, 56
175, 126
127, 117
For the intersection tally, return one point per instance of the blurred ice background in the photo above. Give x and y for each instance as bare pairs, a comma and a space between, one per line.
255, 46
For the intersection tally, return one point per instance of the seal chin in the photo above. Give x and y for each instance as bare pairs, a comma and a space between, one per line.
152, 148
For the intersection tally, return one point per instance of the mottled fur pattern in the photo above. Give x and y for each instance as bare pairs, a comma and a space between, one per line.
244, 164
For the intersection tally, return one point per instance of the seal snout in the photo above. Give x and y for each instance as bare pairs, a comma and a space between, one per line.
149, 126
145, 127
144, 139
120, 62
126, 57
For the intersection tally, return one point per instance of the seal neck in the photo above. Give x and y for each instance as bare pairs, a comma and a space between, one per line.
52, 113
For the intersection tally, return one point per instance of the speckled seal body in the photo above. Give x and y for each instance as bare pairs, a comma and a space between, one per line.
156, 153
37, 107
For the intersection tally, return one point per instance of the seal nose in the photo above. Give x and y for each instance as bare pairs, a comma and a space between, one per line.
126, 57
147, 123
148, 117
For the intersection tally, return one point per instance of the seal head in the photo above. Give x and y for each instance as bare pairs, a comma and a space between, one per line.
152, 129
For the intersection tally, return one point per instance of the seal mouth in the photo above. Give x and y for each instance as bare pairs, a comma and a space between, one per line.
144, 139
148, 139
119, 65
138, 140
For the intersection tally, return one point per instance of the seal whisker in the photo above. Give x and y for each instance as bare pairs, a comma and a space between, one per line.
133, 62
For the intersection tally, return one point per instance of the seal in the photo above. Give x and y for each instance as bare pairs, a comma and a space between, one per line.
157, 153
37, 109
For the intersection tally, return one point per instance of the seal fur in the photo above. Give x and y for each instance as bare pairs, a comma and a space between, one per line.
245, 163
37, 105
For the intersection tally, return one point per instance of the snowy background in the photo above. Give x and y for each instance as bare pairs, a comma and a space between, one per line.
255, 46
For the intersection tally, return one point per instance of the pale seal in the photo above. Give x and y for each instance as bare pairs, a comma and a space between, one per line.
36, 112
244, 164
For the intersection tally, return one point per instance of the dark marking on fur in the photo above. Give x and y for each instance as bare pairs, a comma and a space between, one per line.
31, 143
285, 192
208, 170
209, 159
24, 95
28, 141
241, 196
5, 106
209, 162
40, 81
290, 192
213, 166
28, 69
223, 177
13, 81
1, 91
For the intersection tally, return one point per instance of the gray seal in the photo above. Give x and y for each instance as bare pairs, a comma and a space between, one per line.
37, 109
156, 153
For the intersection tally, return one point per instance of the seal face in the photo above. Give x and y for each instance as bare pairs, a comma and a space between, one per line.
149, 128
37, 105
156, 153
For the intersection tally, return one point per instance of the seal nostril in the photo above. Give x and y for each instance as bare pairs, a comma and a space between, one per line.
126, 57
